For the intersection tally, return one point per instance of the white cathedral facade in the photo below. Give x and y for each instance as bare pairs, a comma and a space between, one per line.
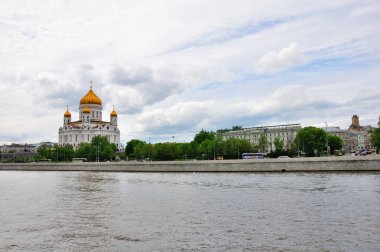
90, 123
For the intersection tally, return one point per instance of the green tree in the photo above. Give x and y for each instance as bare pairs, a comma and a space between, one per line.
311, 139
85, 150
130, 147
164, 151
203, 136
104, 150
100, 149
278, 145
237, 127
335, 143
375, 135
263, 143
140, 150
206, 149
68, 153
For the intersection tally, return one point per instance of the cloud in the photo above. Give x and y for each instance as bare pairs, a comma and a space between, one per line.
131, 76
286, 57
177, 67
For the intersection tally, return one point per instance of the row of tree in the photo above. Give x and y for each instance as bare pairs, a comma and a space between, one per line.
310, 141
100, 149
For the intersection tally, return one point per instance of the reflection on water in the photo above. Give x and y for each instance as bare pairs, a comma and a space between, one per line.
44, 211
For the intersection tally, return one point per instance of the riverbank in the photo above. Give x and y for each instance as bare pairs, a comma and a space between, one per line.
327, 164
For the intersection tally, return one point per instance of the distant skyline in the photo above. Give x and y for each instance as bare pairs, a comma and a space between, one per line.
172, 68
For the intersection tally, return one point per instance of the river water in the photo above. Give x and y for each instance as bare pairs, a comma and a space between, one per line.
100, 211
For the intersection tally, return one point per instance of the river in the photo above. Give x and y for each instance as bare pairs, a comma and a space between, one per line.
100, 211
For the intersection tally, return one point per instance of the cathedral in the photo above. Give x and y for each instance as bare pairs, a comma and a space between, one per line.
90, 123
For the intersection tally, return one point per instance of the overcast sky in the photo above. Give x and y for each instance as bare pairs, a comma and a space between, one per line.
172, 68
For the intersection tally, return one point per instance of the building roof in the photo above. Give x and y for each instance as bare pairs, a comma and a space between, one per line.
91, 98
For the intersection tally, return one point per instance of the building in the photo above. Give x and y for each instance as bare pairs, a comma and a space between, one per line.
350, 138
286, 133
17, 152
90, 123
18, 148
362, 133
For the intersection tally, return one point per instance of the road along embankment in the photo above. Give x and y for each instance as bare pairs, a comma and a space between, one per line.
328, 164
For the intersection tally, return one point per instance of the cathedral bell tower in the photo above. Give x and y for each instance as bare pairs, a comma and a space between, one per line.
67, 117
113, 116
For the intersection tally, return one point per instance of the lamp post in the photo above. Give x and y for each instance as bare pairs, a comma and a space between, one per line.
214, 150
327, 141
97, 152
150, 158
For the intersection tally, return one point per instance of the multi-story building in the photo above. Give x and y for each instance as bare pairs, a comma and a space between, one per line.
286, 133
350, 138
18, 148
90, 123
362, 133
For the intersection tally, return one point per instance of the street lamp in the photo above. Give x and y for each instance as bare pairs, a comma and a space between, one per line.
214, 150
150, 158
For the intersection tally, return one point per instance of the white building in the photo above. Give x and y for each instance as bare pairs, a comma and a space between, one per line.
90, 123
286, 133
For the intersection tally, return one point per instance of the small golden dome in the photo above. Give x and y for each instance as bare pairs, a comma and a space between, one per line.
113, 113
86, 110
90, 98
67, 113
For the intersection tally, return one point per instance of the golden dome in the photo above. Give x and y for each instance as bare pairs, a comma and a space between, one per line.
90, 98
67, 113
113, 113
86, 110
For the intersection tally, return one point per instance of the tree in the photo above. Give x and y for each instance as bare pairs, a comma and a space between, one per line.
278, 145
375, 135
263, 143
85, 150
335, 143
237, 127
99, 149
164, 151
130, 147
203, 136
311, 139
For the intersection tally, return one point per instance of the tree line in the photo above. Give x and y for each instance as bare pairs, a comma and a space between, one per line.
206, 145
100, 149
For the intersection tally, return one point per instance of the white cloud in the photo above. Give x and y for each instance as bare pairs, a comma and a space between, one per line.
286, 57
179, 66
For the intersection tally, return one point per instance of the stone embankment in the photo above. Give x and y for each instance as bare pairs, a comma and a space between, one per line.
328, 164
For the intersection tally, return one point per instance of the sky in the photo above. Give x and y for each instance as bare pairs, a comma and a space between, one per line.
172, 68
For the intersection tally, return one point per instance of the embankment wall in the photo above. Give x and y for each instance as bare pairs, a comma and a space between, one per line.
330, 164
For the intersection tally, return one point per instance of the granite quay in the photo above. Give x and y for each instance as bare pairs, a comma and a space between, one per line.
327, 164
